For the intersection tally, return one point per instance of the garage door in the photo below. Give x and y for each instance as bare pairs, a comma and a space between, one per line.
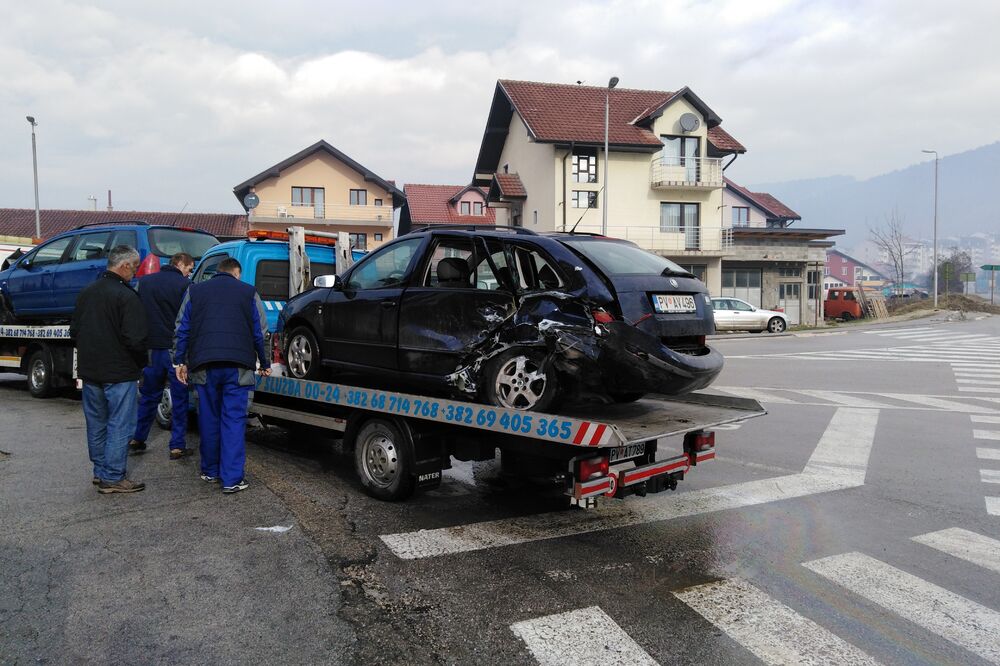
742, 283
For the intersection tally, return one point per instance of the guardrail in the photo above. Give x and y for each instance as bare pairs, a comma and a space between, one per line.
686, 172
671, 239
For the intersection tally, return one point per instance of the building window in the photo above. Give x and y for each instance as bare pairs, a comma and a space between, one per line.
585, 165
307, 196
465, 208
813, 277
843, 270
359, 241
741, 216
359, 197
477, 208
378, 238
378, 202
584, 199
790, 272
678, 217
697, 270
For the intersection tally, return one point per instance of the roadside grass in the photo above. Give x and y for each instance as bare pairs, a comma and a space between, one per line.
956, 302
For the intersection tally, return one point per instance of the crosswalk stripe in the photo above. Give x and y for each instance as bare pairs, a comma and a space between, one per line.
976, 373
842, 399
889, 331
985, 419
982, 382
940, 403
766, 396
773, 632
978, 389
964, 622
989, 475
986, 434
910, 401
586, 636
984, 453
993, 506
839, 461
969, 546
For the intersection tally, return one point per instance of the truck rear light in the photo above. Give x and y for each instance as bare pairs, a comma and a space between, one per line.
602, 316
151, 264
592, 468
704, 441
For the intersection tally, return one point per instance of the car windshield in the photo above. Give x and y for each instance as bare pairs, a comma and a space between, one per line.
168, 242
618, 258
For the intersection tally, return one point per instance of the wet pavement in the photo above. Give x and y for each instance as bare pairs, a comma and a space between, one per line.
850, 525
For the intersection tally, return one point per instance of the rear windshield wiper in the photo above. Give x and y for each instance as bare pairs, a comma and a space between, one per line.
669, 271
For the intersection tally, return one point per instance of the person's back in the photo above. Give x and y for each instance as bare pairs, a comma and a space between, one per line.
161, 294
109, 327
226, 323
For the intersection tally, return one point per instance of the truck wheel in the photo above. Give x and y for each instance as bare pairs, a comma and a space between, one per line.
847, 316
302, 354
519, 379
40, 379
776, 325
384, 460
164, 410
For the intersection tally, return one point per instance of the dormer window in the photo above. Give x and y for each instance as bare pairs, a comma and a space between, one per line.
465, 208
585, 165
477, 208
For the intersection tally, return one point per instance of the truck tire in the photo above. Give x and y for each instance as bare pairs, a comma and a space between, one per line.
302, 354
384, 460
40, 379
519, 378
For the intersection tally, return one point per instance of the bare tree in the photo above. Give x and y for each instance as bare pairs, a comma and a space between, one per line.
890, 240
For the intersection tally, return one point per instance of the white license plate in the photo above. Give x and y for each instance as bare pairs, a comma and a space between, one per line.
626, 452
674, 303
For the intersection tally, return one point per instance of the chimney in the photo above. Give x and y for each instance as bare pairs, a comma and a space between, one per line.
110, 207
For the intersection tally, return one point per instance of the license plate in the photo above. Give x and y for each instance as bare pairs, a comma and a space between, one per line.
626, 452
673, 303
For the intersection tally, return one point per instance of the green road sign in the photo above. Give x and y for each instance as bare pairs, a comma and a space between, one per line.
968, 277
947, 271
990, 267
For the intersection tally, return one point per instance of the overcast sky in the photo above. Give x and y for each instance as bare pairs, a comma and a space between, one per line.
172, 104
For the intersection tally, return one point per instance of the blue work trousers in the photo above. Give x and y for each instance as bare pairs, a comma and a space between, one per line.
155, 376
110, 411
222, 422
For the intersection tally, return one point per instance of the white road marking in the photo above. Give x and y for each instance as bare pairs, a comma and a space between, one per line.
989, 475
993, 506
986, 434
953, 617
987, 454
839, 462
978, 389
925, 402
843, 398
772, 631
983, 382
969, 546
767, 396
584, 637
890, 331
940, 403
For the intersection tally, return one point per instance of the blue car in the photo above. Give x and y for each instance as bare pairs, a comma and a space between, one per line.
43, 284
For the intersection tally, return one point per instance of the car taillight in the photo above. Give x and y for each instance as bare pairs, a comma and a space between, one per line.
151, 264
602, 316
592, 468
700, 340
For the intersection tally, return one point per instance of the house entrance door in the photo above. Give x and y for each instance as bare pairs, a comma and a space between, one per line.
790, 301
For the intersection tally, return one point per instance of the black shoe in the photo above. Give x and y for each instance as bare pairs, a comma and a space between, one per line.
242, 485
135, 446
177, 454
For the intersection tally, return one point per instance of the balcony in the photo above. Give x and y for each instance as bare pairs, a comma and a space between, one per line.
374, 216
672, 240
700, 173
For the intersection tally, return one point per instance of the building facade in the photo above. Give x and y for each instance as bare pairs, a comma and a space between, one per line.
851, 271
444, 204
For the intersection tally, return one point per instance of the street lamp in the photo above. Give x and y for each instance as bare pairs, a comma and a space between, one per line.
34, 166
607, 107
935, 224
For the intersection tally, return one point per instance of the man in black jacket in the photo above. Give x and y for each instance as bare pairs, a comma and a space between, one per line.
109, 326
161, 294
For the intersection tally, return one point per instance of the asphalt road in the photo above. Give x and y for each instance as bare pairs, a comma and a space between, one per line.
856, 523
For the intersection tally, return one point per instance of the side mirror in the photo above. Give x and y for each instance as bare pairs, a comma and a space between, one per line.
327, 281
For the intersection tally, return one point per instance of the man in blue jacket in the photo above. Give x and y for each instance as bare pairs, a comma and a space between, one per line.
161, 294
218, 341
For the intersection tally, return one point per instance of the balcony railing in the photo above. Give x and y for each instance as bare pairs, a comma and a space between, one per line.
664, 239
323, 213
685, 172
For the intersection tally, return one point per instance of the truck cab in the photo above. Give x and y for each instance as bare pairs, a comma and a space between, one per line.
843, 304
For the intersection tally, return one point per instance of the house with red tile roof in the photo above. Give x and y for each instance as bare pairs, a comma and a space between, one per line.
660, 184
21, 221
444, 204
323, 189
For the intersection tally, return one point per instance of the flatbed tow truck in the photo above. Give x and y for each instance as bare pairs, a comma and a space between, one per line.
402, 442
45, 353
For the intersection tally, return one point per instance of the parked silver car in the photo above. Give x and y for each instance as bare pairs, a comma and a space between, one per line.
732, 314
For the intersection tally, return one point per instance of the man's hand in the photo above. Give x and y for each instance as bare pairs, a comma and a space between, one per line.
182, 374
264, 372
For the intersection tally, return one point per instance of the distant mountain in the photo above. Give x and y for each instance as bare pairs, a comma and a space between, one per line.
967, 190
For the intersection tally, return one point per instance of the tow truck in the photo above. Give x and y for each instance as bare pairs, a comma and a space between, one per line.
403, 442
44, 353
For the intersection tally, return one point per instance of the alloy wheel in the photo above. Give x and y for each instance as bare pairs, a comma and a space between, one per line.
520, 383
300, 356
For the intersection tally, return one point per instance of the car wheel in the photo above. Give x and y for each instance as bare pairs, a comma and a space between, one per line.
302, 354
40, 383
520, 379
384, 460
776, 325
622, 398
164, 410
847, 316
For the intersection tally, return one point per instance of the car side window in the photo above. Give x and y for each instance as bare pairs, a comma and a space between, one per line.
91, 246
125, 237
533, 271
209, 267
486, 277
386, 267
52, 252
450, 264
741, 306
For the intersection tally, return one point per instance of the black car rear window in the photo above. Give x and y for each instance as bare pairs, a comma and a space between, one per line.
168, 242
619, 258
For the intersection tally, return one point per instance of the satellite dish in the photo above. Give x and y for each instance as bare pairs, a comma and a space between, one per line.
689, 122
251, 200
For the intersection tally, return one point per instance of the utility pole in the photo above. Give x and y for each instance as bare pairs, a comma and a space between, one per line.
607, 109
34, 167
935, 225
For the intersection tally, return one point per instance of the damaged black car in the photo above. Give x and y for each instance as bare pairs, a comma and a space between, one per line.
507, 317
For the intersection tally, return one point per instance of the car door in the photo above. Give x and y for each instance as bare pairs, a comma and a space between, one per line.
744, 316
361, 320
453, 305
30, 283
86, 260
723, 314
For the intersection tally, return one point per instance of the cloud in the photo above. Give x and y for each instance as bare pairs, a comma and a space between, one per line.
175, 104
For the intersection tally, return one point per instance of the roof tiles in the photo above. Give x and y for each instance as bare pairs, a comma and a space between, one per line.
431, 204
21, 221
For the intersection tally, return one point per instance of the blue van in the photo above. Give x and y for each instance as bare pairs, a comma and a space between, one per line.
44, 283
